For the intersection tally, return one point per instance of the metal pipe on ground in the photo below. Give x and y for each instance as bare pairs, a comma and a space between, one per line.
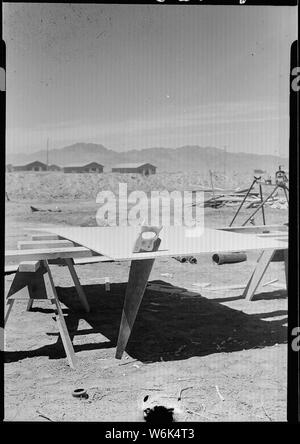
181, 259
229, 258
193, 260
184, 259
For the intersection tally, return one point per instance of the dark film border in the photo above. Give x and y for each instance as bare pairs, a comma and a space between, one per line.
293, 272
189, 2
293, 393
2, 206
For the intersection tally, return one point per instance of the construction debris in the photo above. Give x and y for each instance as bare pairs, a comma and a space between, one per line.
107, 283
229, 258
166, 274
201, 284
56, 210
270, 282
184, 259
253, 200
219, 394
79, 393
44, 416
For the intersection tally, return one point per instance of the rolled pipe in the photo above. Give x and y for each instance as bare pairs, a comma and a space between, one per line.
181, 259
229, 258
184, 259
192, 260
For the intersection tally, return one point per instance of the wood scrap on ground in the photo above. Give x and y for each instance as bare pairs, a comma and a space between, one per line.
219, 394
233, 199
34, 209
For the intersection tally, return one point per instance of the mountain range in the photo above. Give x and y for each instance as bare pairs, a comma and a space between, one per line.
185, 158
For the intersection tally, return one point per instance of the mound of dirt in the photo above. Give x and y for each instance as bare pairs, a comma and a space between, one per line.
57, 185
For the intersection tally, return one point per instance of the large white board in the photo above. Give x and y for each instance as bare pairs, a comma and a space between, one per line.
118, 242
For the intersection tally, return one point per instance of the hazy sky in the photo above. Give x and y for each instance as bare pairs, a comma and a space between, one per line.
138, 76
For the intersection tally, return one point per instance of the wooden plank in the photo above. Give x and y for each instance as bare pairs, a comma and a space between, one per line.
91, 260
280, 285
226, 287
201, 284
258, 274
236, 287
13, 268
29, 266
9, 303
271, 282
274, 234
10, 269
232, 198
29, 245
44, 237
256, 229
78, 286
49, 253
64, 334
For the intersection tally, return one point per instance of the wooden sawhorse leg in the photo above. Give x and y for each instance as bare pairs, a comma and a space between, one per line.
286, 266
78, 286
29, 279
138, 277
29, 304
10, 303
52, 295
258, 274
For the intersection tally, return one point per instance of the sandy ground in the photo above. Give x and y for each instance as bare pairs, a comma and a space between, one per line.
203, 341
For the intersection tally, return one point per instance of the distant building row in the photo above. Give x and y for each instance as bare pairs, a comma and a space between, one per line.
93, 167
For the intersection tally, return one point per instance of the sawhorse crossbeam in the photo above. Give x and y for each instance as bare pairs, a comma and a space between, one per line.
43, 241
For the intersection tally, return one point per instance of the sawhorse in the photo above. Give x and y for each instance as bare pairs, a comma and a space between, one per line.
263, 262
36, 278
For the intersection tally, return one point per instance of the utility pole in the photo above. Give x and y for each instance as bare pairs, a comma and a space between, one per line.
212, 184
47, 153
225, 153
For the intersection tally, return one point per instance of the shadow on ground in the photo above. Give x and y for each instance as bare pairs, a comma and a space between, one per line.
168, 326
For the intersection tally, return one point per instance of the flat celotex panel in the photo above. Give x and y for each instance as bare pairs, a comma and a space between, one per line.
118, 242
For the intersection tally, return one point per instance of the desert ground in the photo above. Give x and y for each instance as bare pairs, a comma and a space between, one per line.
229, 355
